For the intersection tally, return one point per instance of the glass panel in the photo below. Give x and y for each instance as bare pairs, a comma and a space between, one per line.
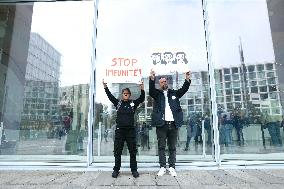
251, 128
151, 48
44, 80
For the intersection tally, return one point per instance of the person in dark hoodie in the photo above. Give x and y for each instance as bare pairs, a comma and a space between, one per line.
125, 130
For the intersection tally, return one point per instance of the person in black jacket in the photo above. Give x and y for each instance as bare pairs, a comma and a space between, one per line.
125, 130
167, 117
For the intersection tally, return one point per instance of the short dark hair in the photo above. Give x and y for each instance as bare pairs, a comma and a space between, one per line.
126, 89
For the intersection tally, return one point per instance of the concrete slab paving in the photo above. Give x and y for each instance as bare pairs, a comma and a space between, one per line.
145, 179
206, 187
17, 187
241, 174
205, 178
191, 179
103, 179
166, 180
168, 187
225, 177
125, 179
265, 177
187, 178
85, 179
239, 186
66, 178
267, 186
276, 173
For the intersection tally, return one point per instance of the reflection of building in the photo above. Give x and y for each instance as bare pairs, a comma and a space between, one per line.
43, 60
41, 85
74, 101
15, 26
262, 90
276, 18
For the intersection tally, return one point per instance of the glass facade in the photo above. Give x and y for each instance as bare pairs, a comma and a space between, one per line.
53, 105
45, 69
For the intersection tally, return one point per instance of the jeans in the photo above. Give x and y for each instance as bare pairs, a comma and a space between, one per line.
240, 135
167, 133
274, 131
122, 135
191, 133
209, 135
226, 134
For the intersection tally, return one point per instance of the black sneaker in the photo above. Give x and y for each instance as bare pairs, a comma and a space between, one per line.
135, 174
115, 174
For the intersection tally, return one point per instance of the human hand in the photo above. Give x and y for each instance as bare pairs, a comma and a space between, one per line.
188, 75
152, 75
104, 84
141, 85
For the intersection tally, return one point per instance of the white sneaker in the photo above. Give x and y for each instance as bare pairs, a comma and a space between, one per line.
162, 171
172, 171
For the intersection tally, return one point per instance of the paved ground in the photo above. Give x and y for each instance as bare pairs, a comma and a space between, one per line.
236, 179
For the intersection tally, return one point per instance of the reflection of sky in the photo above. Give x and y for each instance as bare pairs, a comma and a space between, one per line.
139, 28
67, 26
249, 20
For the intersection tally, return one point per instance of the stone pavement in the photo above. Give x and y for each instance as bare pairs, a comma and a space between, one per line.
191, 179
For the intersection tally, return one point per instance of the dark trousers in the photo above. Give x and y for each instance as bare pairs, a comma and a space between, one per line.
274, 131
240, 136
167, 133
122, 135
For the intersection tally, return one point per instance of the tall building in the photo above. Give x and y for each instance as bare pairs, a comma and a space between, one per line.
41, 97
262, 88
261, 83
276, 18
74, 103
15, 27
44, 60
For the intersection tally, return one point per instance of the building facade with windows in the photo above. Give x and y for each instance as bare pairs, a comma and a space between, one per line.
41, 96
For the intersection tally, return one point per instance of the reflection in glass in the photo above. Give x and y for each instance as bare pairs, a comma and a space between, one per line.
44, 108
124, 42
250, 122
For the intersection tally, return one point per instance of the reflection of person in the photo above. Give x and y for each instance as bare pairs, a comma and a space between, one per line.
207, 127
198, 136
191, 131
106, 135
125, 130
238, 124
273, 126
167, 116
67, 122
226, 130
144, 136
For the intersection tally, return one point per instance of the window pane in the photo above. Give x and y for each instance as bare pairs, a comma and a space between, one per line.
250, 123
117, 43
45, 66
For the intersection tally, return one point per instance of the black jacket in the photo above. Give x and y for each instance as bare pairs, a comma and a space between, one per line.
126, 109
158, 115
